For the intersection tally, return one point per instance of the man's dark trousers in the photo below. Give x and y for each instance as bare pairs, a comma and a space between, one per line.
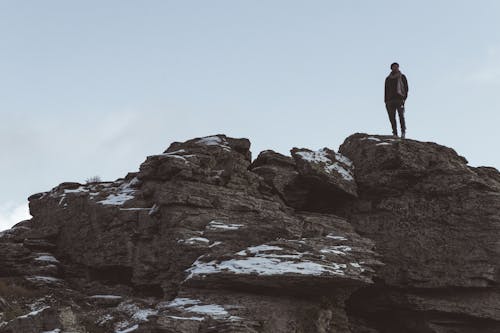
392, 107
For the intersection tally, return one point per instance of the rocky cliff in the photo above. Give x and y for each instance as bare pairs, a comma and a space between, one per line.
383, 236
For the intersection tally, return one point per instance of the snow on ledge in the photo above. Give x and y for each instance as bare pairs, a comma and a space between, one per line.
214, 140
128, 330
258, 249
339, 249
218, 225
106, 297
46, 279
34, 313
195, 306
320, 157
47, 258
380, 141
124, 193
187, 318
332, 236
265, 266
194, 241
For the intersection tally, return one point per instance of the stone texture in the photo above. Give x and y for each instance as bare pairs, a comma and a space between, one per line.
436, 223
325, 168
193, 225
385, 236
309, 180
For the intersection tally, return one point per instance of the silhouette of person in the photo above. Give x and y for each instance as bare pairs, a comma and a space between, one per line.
396, 92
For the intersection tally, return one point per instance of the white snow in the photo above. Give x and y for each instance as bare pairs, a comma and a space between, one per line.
195, 306
105, 319
215, 244
34, 313
154, 209
211, 141
127, 330
383, 144
142, 315
187, 318
214, 141
135, 312
371, 138
106, 297
57, 330
170, 155
194, 240
218, 225
340, 249
258, 249
212, 310
332, 236
346, 174
175, 154
329, 165
343, 159
48, 258
80, 189
314, 156
125, 193
181, 302
38, 278
264, 266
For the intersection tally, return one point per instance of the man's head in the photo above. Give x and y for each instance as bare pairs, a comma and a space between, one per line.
395, 67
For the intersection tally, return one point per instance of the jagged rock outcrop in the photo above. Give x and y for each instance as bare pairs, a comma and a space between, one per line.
384, 236
436, 222
309, 180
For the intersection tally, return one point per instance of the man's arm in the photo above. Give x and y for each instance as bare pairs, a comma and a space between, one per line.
386, 91
405, 82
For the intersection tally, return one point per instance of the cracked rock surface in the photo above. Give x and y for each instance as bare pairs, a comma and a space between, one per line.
381, 236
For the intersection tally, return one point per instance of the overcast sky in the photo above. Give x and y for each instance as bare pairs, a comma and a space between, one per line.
92, 87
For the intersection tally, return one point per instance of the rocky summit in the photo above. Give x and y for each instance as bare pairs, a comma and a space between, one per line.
381, 236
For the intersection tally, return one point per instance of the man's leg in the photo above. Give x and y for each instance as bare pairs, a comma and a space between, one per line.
402, 122
391, 111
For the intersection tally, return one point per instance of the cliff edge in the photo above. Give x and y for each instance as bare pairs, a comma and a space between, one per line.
383, 235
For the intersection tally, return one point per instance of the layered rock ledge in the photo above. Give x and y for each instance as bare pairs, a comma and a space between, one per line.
382, 236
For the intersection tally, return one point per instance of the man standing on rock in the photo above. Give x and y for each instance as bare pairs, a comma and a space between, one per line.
396, 92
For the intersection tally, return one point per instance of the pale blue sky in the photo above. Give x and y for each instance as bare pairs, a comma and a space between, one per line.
92, 87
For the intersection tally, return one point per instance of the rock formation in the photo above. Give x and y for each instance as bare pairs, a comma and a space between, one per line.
383, 236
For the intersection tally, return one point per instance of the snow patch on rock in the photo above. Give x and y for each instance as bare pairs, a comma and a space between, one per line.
47, 258
264, 266
332, 236
221, 226
45, 279
320, 157
124, 193
214, 141
128, 330
106, 297
34, 313
195, 306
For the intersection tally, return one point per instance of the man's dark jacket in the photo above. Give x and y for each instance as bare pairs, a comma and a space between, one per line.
391, 90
